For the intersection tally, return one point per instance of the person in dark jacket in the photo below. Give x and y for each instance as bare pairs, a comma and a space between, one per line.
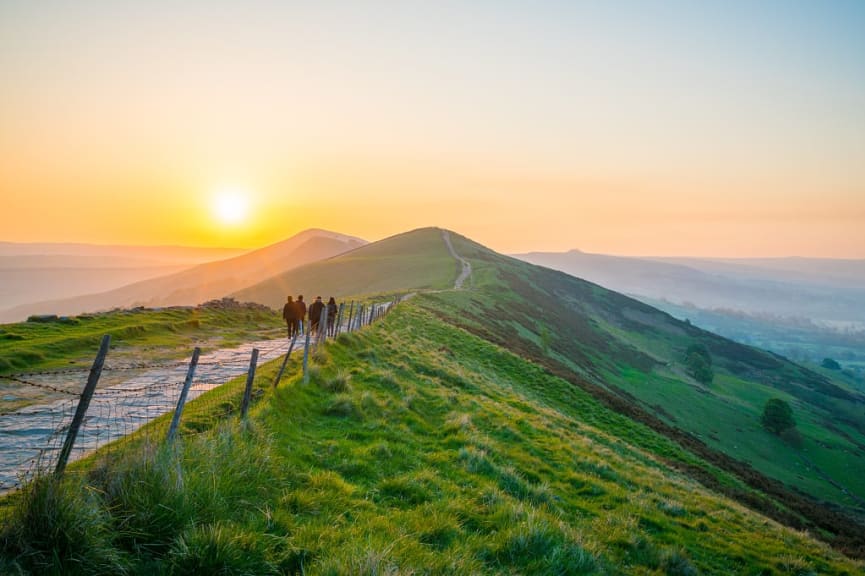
332, 309
315, 315
289, 313
299, 313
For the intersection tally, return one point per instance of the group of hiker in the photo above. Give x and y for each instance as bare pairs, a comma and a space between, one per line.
295, 312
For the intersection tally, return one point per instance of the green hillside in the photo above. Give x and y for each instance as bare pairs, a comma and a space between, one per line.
533, 424
417, 448
636, 352
414, 260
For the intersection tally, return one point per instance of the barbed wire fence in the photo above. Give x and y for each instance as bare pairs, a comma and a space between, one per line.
72, 416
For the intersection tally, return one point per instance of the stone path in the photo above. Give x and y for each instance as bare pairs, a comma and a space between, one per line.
466, 271
33, 435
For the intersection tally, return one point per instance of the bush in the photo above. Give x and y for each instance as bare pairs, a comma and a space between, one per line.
830, 364
777, 416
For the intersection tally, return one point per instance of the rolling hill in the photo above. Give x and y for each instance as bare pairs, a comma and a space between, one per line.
203, 282
533, 424
34, 272
411, 261
627, 349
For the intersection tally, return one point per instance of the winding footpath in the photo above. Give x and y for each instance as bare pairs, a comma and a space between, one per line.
466, 271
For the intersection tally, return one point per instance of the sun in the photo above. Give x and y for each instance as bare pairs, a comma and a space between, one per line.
231, 205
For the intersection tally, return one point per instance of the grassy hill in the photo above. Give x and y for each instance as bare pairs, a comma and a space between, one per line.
416, 448
411, 261
535, 424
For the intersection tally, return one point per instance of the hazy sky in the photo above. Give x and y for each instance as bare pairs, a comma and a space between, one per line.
663, 128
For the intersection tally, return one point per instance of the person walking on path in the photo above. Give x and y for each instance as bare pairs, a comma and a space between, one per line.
289, 313
300, 313
331, 316
315, 314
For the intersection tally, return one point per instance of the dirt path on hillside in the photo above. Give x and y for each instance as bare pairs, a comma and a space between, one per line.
466, 272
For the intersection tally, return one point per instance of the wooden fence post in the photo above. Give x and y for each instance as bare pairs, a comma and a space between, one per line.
338, 324
306, 360
322, 328
285, 361
247, 393
350, 314
175, 420
83, 403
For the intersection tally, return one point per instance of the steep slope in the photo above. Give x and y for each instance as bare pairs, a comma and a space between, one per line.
637, 354
414, 260
206, 281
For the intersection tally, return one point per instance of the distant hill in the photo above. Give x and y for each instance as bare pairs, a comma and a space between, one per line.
817, 289
203, 282
178, 255
31, 272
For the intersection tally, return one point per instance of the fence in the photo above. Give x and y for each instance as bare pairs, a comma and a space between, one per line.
75, 416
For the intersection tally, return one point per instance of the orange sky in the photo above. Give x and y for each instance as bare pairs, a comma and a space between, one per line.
719, 131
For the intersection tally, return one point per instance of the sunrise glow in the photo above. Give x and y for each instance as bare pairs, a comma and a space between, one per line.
662, 129
231, 206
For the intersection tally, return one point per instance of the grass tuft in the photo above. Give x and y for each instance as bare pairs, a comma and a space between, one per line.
343, 406
338, 383
58, 528
675, 562
220, 549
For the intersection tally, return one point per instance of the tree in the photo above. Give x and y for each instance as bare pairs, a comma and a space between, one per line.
699, 363
777, 416
830, 364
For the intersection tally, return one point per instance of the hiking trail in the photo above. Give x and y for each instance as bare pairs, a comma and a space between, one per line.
466, 272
